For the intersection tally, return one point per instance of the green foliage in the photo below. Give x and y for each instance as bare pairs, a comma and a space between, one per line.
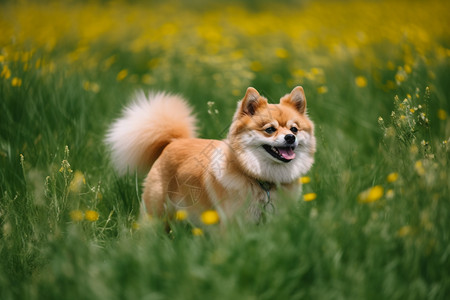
376, 225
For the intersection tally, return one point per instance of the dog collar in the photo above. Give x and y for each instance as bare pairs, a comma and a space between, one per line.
266, 187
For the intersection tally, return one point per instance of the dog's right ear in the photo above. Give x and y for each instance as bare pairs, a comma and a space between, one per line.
251, 101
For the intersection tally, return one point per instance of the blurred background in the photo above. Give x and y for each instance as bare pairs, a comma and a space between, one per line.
376, 77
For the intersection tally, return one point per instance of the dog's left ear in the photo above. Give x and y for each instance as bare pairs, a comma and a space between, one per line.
297, 99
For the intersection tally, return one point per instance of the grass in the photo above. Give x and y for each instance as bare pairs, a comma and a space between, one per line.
376, 81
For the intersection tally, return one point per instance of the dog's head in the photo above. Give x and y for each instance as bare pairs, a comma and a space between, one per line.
273, 142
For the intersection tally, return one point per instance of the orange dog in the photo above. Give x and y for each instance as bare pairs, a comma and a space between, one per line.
269, 146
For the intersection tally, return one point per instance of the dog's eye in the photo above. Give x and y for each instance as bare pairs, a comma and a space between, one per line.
271, 130
294, 129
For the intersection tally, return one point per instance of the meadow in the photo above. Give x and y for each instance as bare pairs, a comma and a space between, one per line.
373, 221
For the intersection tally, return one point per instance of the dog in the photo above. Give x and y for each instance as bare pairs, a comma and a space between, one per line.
267, 149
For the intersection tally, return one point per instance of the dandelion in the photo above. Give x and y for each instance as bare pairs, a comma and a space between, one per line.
181, 215
390, 194
281, 53
400, 76
316, 71
361, 81
407, 69
299, 73
442, 114
91, 215
6, 72
418, 166
76, 215
16, 82
210, 217
122, 74
77, 183
309, 197
304, 179
390, 65
135, 225
256, 66
371, 195
322, 89
392, 177
236, 92
390, 85
404, 231
91, 86
148, 79
197, 231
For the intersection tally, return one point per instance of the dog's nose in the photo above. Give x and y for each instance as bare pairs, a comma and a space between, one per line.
289, 138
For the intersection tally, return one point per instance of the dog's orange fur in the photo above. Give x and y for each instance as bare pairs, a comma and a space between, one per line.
199, 174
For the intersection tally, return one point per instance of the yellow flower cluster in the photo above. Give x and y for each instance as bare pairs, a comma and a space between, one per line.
88, 215
208, 217
307, 197
376, 192
231, 38
371, 195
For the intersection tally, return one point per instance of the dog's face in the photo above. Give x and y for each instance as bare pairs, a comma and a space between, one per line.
273, 142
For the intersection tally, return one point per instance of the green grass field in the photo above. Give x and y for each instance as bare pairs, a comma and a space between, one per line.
376, 75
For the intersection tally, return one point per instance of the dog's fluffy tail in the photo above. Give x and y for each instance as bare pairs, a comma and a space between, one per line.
146, 127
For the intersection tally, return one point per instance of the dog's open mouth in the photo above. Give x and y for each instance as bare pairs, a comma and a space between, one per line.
285, 154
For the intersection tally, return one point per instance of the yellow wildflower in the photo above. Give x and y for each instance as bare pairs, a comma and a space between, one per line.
361, 81
418, 166
400, 77
256, 66
390, 194
91, 86
304, 179
91, 215
16, 81
6, 72
442, 114
322, 89
414, 149
309, 197
76, 215
122, 74
392, 177
210, 217
371, 195
77, 182
407, 69
404, 231
281, 53
181, 215
390, 65
135, 225
147, 79
197, 231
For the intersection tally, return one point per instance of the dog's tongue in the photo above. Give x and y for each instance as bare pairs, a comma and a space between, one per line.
287, 153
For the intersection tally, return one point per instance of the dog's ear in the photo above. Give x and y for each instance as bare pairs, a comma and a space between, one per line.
296, 98
251, 101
